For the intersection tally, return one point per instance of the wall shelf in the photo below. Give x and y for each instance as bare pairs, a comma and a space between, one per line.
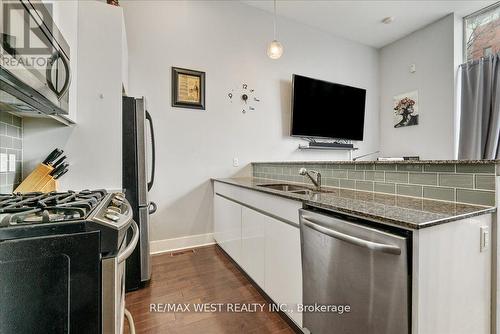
307, 147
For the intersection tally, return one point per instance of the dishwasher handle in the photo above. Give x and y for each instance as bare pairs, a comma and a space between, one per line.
384, 248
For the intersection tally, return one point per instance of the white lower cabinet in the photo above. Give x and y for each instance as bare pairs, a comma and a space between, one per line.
253, 244
283, 267
227, 226
266, 248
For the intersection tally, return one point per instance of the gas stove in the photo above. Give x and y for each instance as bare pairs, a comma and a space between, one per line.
40, 208
38, 214
50, 240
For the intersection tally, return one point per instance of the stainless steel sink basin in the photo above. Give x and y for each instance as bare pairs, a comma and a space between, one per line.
285, 187
295, 189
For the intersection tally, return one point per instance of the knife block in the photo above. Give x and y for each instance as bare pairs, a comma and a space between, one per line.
39, 180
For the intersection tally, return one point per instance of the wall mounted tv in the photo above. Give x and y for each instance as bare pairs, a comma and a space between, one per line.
327, 110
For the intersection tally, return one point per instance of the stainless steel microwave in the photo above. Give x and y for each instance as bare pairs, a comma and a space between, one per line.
35, 72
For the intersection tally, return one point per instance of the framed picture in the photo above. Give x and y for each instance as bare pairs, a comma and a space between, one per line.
405, 108
188, 88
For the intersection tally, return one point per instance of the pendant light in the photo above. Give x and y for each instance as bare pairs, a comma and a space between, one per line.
274, 49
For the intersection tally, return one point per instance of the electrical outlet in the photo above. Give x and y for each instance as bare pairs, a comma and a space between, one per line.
3, 162
485, 238
12, 162
236, 162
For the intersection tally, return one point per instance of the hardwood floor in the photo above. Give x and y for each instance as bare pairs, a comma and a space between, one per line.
204, 275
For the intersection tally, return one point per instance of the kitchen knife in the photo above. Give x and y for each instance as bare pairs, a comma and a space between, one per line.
50, 156
57, 155
59, 168
60, 174
53, 156
59, 161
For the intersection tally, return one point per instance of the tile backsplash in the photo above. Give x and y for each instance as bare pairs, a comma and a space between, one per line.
11, 143
472, 183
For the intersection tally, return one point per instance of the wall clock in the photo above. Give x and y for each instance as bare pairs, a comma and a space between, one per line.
245, 96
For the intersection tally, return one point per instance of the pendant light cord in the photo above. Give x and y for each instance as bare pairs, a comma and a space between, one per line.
275, 20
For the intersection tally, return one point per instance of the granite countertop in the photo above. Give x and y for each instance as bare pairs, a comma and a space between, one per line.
402, 211
364, 162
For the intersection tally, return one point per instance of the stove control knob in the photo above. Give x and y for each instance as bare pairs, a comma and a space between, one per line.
113, 210
111, 216
116, 202
120, 197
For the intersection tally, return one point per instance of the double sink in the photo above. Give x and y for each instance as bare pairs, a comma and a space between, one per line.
292, 188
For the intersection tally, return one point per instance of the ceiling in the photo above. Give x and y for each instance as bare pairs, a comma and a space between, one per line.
361, 21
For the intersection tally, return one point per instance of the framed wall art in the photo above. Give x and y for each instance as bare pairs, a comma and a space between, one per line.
188, 88
405, 108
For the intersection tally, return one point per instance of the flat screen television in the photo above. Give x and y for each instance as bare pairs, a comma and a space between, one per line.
327, 110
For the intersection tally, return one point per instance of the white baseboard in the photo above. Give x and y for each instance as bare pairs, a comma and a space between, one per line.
168, 245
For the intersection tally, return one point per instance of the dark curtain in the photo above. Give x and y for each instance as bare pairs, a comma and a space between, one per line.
480, 109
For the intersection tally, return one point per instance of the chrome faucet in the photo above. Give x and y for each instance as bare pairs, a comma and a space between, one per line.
317, 181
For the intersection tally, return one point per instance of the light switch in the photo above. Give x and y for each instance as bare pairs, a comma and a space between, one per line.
236, 162
3, 162
12, 162
485, 238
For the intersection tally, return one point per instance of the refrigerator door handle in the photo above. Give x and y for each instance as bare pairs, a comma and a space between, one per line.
153, 151
152, 208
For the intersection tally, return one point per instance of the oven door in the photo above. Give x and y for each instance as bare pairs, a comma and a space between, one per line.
50, 284
113, 285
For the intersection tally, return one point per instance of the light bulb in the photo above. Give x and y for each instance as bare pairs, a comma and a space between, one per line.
274, 50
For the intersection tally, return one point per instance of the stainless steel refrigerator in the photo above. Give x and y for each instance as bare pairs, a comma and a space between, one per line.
138, 149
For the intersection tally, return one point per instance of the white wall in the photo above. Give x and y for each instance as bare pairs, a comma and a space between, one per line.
93, 146
228, 41
432, 49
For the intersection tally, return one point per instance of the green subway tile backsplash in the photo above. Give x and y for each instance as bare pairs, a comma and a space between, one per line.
423, 178
340, 174
486, 168
472, 183
409, 190
356, 175
476, 197
11, 143
388, 188
444, 194
396, 177
486, 182
364, 185
456, 180
350, 184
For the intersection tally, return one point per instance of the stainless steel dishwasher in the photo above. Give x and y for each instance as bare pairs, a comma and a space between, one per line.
348, 263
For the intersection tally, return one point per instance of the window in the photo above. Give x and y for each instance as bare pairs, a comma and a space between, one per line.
482, 33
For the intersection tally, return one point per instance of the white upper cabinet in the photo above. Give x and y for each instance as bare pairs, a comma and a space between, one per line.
84, 24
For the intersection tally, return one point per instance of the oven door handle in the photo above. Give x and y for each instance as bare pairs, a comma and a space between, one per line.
124, 254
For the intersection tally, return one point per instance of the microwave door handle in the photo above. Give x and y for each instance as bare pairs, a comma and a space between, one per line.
153, 151
124, 254
67, 75
384, 248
